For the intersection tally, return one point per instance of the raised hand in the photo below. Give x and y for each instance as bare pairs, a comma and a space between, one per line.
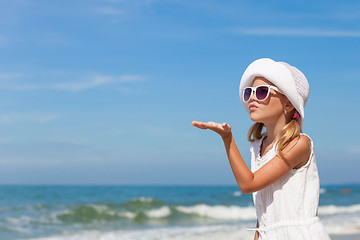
222, 129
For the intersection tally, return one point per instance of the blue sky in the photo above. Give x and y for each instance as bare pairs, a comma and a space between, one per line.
104, 91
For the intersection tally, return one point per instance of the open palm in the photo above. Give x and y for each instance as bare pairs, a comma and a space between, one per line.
222, 129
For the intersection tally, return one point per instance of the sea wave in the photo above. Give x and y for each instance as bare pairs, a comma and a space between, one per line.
200, 232
162, 212
155, 210
18, 224
142, 203
342, 224
336, 219
91, 213
214, 232
333, 210
220, 212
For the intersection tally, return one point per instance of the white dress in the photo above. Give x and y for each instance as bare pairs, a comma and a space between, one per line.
288, 208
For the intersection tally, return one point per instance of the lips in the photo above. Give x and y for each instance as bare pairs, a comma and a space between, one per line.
252, 106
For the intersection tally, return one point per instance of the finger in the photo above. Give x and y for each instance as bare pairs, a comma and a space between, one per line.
194, 123
201, 125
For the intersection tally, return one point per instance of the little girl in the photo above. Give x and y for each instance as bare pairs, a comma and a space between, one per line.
283, 178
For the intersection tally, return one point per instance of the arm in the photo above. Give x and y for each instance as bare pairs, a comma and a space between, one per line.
243, 175
295, 153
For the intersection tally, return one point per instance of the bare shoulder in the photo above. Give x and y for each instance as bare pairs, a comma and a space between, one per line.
298, 151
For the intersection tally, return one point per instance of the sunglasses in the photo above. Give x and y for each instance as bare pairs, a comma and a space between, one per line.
261, 92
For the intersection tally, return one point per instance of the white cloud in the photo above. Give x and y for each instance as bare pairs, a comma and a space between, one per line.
10, 76
19, 87
7, 82
95, 82
296, 32
108, 10
120, 9
77, 86
23, 82
28, 117
354, 150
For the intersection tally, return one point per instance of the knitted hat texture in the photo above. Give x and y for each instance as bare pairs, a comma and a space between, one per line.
290, 80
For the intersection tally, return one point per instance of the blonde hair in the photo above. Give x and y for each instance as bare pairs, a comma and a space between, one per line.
287, 134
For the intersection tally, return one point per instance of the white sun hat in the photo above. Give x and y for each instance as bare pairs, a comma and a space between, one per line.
290, 80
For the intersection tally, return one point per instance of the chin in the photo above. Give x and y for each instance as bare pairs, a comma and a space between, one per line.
255, 117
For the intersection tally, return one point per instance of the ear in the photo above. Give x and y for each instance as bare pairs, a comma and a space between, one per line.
288, 107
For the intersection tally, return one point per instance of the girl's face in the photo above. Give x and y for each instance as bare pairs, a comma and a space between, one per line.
271, 110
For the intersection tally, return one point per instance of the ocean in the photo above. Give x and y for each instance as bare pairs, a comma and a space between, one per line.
152, 212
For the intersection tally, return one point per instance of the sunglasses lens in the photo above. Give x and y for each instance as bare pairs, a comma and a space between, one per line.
262, 92
247, 94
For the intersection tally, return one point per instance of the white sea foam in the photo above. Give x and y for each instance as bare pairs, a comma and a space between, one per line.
332, 209
101, 208
203, 232
214, 232
336, 229
159, 213
220, 212
19, 224
54, 215
144, 199
20, 221
322, 190
129, 215
237, 193
338, 224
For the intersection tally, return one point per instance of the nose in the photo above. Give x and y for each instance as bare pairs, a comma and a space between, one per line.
252, 96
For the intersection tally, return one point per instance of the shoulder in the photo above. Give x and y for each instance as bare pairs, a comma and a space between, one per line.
303, 142
298, 151
300, 143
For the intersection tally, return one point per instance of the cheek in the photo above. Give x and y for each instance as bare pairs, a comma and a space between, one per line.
276, 106
268, 109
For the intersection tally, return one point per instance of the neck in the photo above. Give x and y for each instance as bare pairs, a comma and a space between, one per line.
273, 130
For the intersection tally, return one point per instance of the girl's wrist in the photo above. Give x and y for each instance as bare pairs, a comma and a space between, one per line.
227, 137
